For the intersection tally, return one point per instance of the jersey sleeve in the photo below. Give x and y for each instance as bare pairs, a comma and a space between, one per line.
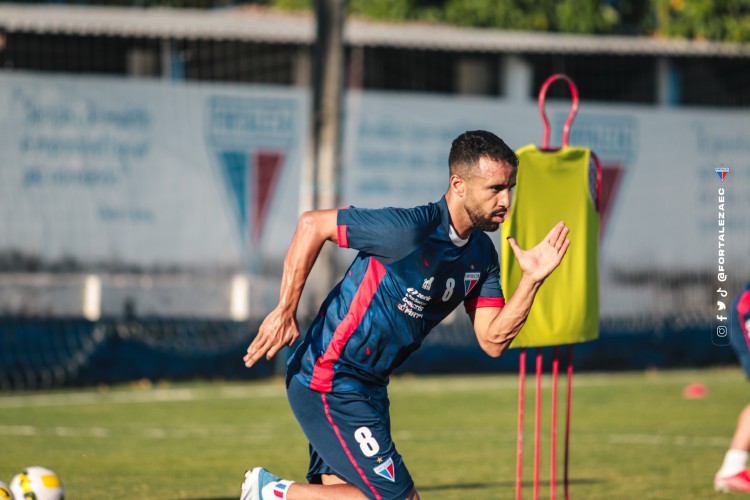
743, 311
387, 233
490, 294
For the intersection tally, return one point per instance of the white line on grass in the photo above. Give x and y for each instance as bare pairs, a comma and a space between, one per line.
255, 435
437, 384
261, 435
18, 430
405, 385
640, 439
613, 439
90, 398
139, 396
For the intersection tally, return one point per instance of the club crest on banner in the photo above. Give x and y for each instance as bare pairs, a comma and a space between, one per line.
251, 139
614, 139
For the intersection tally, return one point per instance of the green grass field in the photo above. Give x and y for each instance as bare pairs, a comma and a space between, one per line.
634, 436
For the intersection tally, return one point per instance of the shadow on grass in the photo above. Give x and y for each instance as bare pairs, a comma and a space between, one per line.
468, 486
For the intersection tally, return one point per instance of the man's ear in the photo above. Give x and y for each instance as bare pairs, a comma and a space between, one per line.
457, 185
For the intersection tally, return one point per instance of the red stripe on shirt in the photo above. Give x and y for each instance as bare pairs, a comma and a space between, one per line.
343, 241
346, 449
471, 304
322, 375
743, 308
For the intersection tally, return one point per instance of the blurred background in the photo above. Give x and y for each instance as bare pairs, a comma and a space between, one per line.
156, 155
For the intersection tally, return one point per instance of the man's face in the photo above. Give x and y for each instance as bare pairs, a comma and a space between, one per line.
488, 194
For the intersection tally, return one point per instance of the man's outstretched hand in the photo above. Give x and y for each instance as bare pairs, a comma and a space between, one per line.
539, 262
278, 330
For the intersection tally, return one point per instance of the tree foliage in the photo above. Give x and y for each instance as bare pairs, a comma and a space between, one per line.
725, 20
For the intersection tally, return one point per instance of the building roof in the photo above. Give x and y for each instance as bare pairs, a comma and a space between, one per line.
264, 25
226, 24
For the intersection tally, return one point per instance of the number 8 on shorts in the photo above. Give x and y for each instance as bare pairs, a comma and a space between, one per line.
367, 443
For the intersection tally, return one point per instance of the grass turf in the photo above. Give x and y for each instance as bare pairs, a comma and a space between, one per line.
633, 436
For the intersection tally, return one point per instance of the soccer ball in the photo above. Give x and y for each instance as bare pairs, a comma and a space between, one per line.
5, 492
37, 483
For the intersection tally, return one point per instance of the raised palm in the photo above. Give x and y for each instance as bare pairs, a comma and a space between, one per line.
540, 261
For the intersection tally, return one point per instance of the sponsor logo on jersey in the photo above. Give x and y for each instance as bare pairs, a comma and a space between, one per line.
428, 283
386, 470
470, 281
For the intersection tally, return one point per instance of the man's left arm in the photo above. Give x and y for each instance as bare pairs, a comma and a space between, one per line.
497, 327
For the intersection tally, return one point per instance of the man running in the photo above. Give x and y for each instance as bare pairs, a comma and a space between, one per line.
414, 267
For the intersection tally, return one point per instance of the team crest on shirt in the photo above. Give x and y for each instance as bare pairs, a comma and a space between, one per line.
386, 470
470, 281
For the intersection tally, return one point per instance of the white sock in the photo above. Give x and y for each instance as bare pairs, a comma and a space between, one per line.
734, 461
275, 490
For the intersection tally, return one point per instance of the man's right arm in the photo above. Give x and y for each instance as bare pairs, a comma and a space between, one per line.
497, 327
280, 327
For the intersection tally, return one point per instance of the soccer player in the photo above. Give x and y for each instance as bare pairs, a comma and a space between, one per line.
732, 475
413, 268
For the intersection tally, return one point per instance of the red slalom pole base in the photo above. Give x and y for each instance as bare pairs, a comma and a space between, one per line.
519, 436
538, 422
553, 427
566, 480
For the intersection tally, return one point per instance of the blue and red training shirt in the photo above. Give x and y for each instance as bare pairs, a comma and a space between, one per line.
411, 271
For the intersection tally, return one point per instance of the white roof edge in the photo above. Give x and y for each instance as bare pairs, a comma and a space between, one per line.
443, 37
226, 24
265, 25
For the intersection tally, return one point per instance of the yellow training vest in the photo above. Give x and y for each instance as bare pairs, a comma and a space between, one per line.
553, 187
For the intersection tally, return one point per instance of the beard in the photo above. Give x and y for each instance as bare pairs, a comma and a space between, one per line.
483, 221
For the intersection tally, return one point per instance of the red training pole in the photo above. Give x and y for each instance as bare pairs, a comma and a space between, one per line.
537, 421
567, 420
553, 426
519, 436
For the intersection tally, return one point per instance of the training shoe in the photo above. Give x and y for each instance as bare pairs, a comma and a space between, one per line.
255, 480
738, 482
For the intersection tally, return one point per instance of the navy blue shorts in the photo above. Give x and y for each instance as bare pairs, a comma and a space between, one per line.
350, 437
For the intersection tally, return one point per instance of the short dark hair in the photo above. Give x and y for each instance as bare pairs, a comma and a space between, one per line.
470, 146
